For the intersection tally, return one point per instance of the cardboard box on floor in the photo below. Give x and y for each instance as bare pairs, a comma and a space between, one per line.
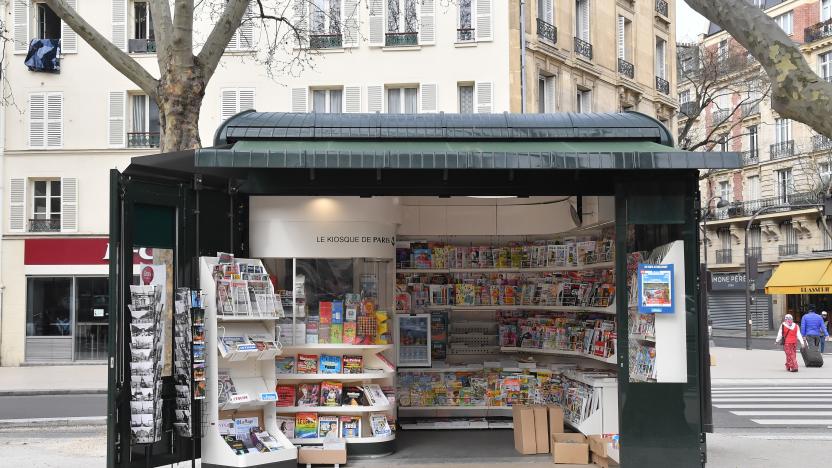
570, 449
541, 428
604, 462
555, 419
525, 439
322, 455
599, 444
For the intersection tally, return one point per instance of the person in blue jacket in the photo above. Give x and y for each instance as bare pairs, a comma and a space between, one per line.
812, 327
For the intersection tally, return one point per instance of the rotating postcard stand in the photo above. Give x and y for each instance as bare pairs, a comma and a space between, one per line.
246, 356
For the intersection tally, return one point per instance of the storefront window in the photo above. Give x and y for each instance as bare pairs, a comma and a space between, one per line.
91, 317
49, 312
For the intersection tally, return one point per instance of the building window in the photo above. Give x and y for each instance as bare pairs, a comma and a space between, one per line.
684, 96
789, 235
785, 22
91, 318
48, 23
465, 28
625, 27
661, 58
825, 10
327, 101
753, 189
545, 94
722, 49
724, 140
144, 122
825, 233
725, 191
401, 100
325, 17
235, 100
584, 101
782, 130
784, 185
825, 66
466, 99
49, 307
752, 140
824, 173
582, 20
724, 235
46, 206
46, 122
142, 21
402, 16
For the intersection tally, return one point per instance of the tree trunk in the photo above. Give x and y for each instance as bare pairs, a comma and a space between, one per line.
181, 91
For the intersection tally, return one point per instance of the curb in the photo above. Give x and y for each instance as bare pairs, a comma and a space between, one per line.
91, 391
53, 422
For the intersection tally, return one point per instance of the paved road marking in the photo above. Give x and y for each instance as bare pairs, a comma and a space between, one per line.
775, 406
779, 390
793, 422
809, 414
780, 398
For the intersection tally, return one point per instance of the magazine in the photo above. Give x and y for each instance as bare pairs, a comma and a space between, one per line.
352, 396
285, 395
331, 393
286, 424
379, 424
306, 425
353, 364
308, 394
330, 364
327, 424
264, 442
285, 365
243, 428
374, 395
349, 427
307, 364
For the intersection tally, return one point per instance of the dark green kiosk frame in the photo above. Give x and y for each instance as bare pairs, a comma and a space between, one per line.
196, 202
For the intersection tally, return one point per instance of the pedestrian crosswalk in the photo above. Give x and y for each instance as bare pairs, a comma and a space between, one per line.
803, 406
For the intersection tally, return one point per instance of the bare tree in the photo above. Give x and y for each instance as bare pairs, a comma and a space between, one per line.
710, 79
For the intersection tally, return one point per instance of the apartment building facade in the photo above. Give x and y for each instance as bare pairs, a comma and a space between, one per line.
785, 173
64, 131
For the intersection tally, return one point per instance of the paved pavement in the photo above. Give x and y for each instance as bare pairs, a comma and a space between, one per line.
774, 406
59, 380
736, 366
52, 406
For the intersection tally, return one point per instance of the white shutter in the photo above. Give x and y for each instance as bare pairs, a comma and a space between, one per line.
54, 120
228, 103
427, 22
117, 110
37, 120
349, 22
376, 22
583, 18
17, 205
548, 12
300, 100
352, 99
483, 25
484, 97
552, 91
69, 204
245, 99
69, 40
301, 15
21, 26
622, 51
245, 33
427, 98
119, 8
660, 63
375, 98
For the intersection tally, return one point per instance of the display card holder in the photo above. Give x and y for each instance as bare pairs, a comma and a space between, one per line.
251, 393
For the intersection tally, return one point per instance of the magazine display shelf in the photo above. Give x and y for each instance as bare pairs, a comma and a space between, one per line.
351, 440
252, 376
607, 360
339, 377
578, 309
292, 349
590, 266
334, 409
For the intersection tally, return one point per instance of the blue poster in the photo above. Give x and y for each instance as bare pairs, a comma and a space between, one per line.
655, 289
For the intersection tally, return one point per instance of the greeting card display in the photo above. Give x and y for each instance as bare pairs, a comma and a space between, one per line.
146, 364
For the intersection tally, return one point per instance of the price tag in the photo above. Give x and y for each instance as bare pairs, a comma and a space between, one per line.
239, 398
246, 347
268, 396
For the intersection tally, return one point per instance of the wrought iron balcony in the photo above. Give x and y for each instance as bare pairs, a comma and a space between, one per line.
689, 109
465, 35
45, 225
626, 68
143, 140
583, 48
818, 31
724, 256
821, 143
750, 157
325, 41
755, 252
785, 203
750, 108
662, 85
720, 116
396, 39
547, 31
661, 7
787, 249
781, 150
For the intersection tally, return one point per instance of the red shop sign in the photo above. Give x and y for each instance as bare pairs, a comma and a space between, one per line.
75, 251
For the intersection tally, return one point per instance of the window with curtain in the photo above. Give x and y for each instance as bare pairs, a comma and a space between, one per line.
825, 66
466, 99
402, 16
327, 101
783, 130
401, 100
325, 17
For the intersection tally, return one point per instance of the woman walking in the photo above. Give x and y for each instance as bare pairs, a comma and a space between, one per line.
789, 336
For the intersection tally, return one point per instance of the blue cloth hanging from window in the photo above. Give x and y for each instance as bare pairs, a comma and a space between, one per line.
44, 55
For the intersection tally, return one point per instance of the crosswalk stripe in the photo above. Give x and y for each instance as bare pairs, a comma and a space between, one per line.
775, 390
784, 387
774, 406
808, 414
749, 400
756, 394
793, 422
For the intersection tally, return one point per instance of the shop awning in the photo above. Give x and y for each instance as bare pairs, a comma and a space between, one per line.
801, 277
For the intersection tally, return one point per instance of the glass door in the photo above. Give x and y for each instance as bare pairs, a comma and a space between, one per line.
91, 318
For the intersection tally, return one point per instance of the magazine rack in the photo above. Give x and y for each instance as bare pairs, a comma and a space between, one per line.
252, 377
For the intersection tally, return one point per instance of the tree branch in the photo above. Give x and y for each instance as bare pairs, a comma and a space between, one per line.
182, 41
211, 53
797, 91
112, 54
162, 23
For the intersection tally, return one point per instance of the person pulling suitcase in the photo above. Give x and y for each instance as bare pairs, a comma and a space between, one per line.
814, 329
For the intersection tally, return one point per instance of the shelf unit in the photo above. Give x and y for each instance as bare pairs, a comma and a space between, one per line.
339, 377
252, 375
289, 349
578, 309
556, 352
334, 409
590, 266
351, 440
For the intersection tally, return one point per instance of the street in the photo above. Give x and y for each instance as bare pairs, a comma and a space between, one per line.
52, 406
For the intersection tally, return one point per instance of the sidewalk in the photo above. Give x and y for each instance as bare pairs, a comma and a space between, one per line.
735, 365
53, 380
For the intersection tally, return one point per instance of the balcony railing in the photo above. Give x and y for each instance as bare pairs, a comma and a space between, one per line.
756, 253
720, 116
143, 140
396, 39
818, 31
626, 68
781, 150
750, 108
724, 256
787, 249
792, 201
141, 46
750, 157
688, 109
45, 225
547, 31
325, 41
661, 7
821, 143
662, 85
465, 35
583, 48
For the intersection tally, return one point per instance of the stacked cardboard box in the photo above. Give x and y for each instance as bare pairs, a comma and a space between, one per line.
534, 425
601, 448
570, 449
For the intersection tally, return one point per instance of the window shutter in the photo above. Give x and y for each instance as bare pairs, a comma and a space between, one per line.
245, 33
584, 18
37, 120
484, 96
21, 26
228, 103
17, 205
349, 22
54, 120
69, 204
352, 99
120, 24
301, 13
548, 11
483, 27
375, 22
375, 98
245, 99
300, 100
427, 22
552, 93
117, 107
427, 98
69, 40
660, 68
622, 51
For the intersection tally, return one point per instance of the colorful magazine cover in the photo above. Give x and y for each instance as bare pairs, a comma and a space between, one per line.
306, 425
337, 312
336, 333
349, 427
284, 365
308, 394
349, 333
285, 395
327, 424
286, 424
325, 312
379, 425
353, 364
352, 396
307, 364
331, 393
330, 364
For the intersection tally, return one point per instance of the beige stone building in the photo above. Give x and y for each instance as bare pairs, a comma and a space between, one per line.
786, 167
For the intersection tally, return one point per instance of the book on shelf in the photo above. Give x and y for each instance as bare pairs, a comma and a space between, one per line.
286, 425
285, 395
336, 333
337, 312
331, 393
325, 312
262, 342
352, 396
312, 324
324, 333
327, 424
379, 425
330, 364
231, 343
353, 364
308, 394
225, 385
374, 395
284, 365
349, 427
236, 444
307, 364
349, 329
243, 428
306, 425
264, 442
225, 426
